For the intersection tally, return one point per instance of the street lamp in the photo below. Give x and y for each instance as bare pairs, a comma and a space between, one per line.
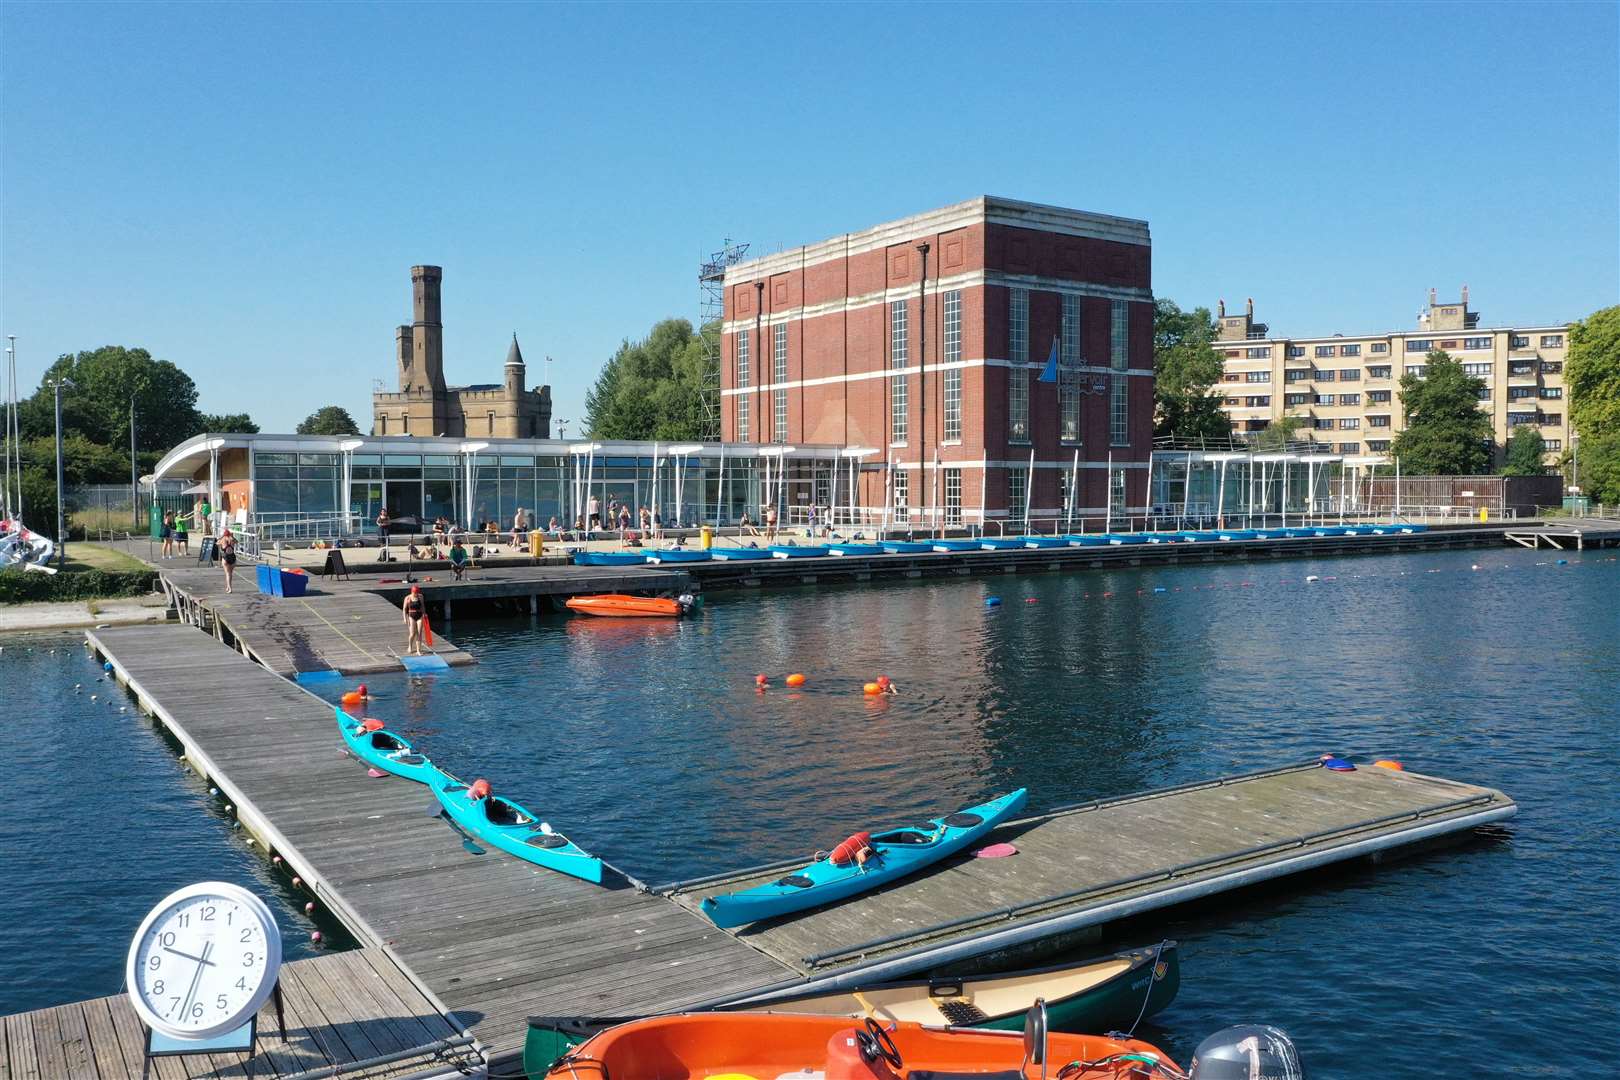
562, 426
11, 392
61, 527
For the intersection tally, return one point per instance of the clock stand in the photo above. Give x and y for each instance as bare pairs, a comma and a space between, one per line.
243, 1040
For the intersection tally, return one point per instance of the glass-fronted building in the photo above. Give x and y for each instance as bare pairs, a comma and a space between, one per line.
270, 480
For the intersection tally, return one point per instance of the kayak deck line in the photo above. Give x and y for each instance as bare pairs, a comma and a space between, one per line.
488, 940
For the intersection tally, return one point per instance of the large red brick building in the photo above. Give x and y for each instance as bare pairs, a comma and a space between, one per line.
845, 342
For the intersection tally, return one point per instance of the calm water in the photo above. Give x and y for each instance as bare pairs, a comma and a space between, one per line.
648, 744
103, 822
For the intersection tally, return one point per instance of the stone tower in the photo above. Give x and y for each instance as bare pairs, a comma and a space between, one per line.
427, 332
514, 370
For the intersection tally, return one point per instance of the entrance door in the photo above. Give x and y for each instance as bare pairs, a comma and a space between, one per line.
404, 501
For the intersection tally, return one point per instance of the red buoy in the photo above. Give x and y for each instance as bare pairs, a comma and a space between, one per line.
844, 854
480, 788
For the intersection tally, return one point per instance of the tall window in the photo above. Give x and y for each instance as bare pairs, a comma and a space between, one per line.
742, 417
1017, 493
1116, 493
742, 359
1068, 371
1018, 373
899, 357
1119, 394
953, 360
902, 496
779, 376
953, 496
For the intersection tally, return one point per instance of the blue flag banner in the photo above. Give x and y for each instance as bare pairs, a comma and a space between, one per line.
1050, 374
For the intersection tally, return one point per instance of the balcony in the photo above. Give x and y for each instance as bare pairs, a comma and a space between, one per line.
1520, 373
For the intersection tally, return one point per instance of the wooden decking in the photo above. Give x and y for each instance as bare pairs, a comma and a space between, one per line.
488, 939
341, 1009
345, 630
1101, 861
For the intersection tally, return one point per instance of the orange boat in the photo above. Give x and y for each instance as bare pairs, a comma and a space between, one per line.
619, 605
765, 1046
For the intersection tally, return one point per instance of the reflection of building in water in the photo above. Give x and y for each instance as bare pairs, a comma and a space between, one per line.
424, 405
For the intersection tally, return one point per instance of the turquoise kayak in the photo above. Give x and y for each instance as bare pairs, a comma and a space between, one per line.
609, 558
739, 554
839, 875
502, 823
380, 748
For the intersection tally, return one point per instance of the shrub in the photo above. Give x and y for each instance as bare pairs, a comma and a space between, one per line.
21, 586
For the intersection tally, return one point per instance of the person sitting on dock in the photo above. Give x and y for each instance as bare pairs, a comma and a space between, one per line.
746, 527
414, 610
458, 559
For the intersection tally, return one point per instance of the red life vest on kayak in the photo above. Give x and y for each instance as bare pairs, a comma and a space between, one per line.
480, 788
844, 854
371, 725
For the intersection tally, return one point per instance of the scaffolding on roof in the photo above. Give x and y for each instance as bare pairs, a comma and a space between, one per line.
711, 310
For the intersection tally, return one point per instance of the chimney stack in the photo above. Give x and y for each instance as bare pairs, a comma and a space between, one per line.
1220, 308
1434, 297
1250, 310
1465, 296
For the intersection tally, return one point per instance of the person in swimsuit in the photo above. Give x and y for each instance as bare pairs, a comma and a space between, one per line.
415, 610
227, 556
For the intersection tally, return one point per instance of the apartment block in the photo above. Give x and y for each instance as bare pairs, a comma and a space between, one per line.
1346, 387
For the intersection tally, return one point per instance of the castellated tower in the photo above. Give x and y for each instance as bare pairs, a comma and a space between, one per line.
427, 332
425, 405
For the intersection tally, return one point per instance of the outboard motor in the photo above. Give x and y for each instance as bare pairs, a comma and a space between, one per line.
687, 602
1247, 1052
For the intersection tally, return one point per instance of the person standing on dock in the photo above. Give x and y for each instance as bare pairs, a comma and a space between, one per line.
227, 556
414, 610
768, 513
182, 537
168, 534
383, 521
593, 512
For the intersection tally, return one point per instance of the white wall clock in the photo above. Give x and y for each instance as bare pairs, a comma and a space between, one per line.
203, 961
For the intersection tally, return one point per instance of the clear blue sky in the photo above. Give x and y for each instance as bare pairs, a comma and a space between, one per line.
242, 188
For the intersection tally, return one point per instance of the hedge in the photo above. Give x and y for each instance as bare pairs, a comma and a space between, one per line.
21, 586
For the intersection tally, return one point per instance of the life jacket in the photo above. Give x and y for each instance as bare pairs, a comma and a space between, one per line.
844, 854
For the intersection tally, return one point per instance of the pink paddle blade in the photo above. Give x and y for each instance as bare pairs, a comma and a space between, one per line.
995, 851
375, 773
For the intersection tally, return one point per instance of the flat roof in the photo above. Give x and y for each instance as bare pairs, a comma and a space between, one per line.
986, 208
194, 452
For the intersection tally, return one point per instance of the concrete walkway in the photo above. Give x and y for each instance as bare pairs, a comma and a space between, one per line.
67, 615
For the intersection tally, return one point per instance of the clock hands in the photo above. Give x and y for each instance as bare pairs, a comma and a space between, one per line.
195, 976
188, 956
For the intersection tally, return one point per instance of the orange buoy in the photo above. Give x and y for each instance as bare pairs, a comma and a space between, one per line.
872, 688
353, 697
1389, 764
795, 679
480, 788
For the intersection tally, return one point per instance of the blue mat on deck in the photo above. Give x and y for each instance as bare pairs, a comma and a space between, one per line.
429, 662
319, 675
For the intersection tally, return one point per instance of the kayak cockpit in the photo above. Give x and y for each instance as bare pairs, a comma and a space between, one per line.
501, 812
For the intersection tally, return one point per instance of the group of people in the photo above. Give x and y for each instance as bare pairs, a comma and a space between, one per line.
175, 530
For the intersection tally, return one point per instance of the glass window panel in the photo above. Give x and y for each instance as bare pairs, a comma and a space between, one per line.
317, 459
261, 458
402, 459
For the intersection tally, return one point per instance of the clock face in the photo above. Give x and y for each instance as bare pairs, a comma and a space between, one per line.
204, 960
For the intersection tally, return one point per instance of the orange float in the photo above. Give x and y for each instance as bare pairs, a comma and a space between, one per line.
795, 679
872, 688
1389, 764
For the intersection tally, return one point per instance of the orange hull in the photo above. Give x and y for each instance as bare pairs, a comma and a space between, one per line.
620, 606
762, 1046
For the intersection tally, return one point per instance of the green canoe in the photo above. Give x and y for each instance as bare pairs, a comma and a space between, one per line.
1109, 992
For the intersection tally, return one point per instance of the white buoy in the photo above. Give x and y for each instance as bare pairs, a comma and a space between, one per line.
1312, 577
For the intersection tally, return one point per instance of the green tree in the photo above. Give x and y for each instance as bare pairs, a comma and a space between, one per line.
651, 389
1592, 373
1279, 433
97, 404
239, 423
1446, 432
329, 420
1185, 367
1525, 448
1600, 466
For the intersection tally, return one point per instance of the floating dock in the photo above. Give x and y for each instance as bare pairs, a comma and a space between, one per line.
351, 1014
487, 940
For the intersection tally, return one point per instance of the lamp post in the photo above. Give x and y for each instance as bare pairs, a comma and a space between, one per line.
562, 426
61, 527
11, 392
134, 469
922, 382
